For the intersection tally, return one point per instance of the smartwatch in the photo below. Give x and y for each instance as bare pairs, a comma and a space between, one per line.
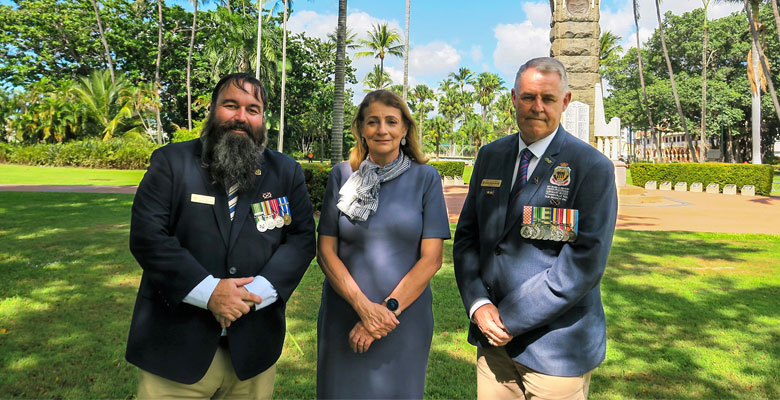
391, 304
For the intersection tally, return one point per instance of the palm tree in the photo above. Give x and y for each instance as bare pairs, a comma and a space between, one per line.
103, 39
702, 134
504, 112
422, 96
189, 62
260, 4
671, 80
777, 18
351, 39
157, 72
649, 112
337, 132
608, 47
439, 128
381, 43
105, 103
488, 85
280, 146
449, 105
376, 80
463, 77
406, 59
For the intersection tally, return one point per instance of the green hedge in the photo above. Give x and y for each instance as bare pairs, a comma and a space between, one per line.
449, 168
316, 176
723, 174
120, 153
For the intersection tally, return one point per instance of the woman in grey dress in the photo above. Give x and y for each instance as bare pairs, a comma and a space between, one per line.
381, 233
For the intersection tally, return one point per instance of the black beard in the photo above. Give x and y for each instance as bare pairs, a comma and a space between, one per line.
233, 158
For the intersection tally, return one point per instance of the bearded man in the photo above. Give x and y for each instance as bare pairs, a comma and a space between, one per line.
223, 230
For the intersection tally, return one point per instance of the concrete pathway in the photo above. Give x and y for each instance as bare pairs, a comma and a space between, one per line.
679, 211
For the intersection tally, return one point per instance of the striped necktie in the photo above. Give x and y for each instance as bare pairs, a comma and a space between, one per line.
232, 200
522, 174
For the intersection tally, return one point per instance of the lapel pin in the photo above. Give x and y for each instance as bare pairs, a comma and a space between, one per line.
536, 180
257, 172
267, 195
547, 160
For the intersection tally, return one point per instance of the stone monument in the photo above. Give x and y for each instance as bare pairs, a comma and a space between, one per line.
576, 120
574, 35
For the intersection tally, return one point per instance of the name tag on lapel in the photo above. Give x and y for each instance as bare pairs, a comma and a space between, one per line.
491, 183
199, 198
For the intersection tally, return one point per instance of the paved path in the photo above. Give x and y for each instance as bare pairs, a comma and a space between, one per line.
679, 211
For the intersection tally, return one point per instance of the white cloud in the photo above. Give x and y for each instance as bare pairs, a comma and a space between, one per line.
518, 43
433, 59
476, 53
313, 24
538, 13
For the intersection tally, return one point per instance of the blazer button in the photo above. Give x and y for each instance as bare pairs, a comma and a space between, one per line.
497, 251
232, 270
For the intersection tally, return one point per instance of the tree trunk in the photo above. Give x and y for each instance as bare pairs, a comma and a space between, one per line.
642, 83
189, 65
702, 140
406, 58
674, 86
337, 132
103, 39
777, 18
157, 72
259, 36
280, 147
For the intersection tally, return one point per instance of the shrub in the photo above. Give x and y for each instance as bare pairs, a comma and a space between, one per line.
739, 174
122, 153
316, 176
449, 168
5, 151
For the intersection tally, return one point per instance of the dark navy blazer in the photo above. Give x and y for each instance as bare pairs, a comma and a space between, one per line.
178, 242
547, 292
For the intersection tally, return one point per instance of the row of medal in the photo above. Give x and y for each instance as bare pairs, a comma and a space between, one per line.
272, 214
549, 223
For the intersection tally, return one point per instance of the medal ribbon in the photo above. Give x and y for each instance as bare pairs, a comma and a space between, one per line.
257, 211
285, 205
266, 208
275, 208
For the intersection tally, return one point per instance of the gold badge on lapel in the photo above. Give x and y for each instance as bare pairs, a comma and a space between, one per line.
491, 183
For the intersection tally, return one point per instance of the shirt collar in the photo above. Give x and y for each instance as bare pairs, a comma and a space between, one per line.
538, 147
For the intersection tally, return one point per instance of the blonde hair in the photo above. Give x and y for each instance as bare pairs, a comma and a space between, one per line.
390, 99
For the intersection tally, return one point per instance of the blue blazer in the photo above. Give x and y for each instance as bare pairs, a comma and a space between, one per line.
547, 292
179, 240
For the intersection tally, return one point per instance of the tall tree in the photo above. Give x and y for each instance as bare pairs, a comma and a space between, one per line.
280, 146
337, 133
103, 39
157, 84
655, 136
376, 80
406, 59
488, 85
439, 128
674, 86
422, 97
463, 77
609, 47
189, 63
704, 62
381, 42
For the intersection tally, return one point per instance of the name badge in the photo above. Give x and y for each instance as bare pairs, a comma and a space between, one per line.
491, 183
199, 198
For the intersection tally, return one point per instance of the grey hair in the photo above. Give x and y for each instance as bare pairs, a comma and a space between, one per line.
547, 65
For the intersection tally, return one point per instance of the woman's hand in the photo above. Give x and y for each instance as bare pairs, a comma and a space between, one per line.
376, 319
359, 338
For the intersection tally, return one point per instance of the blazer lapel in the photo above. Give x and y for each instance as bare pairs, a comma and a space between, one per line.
506, 163
244, 204
541, 172
220, 208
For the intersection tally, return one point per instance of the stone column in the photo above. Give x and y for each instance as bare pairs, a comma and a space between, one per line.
574, 35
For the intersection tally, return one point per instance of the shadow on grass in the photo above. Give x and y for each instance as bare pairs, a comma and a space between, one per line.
67, 295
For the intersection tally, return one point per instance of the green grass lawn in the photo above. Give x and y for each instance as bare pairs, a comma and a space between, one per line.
690, 315
11, 174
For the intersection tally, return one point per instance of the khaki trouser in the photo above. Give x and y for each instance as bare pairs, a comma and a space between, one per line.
499, 377
220, 382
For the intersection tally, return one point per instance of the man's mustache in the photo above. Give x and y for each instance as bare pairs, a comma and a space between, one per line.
235, 126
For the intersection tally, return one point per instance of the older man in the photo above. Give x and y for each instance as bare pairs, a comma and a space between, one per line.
531, 246
223, 230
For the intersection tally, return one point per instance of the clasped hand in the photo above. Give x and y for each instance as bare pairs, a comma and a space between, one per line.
230, 300
489, 322
377, 320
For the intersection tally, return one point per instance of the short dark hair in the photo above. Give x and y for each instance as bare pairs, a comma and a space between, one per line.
238, 80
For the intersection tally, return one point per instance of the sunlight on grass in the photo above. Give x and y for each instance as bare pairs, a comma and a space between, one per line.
39, 234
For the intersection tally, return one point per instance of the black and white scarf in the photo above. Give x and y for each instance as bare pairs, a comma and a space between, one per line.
359, 197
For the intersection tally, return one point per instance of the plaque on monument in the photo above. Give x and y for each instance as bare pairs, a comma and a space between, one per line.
681, 187
576, 120
651, 185
748, 190
666, 185
577, 7
730, 189
696, 187
713, 188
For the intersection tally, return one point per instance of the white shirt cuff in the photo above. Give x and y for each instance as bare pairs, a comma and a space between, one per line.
263, 288
477, 304
200, 294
